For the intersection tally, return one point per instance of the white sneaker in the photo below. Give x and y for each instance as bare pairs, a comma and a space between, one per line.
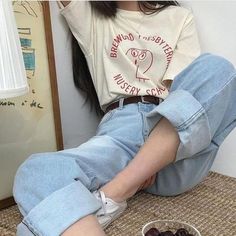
110, 210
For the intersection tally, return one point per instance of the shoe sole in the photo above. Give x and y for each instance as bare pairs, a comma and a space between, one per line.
113, 219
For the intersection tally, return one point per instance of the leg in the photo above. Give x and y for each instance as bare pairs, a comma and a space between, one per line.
86, 226
50, 196
183, 175
200, 107
158, 151
59, 185
53, 190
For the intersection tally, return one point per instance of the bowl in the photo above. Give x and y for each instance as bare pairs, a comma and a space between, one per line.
172, 225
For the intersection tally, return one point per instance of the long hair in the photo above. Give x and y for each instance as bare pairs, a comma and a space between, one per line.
81, 74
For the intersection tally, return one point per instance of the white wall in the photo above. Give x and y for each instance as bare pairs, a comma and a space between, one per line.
217, 32
78, 123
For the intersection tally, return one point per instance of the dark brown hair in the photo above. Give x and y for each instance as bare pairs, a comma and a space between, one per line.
81, 74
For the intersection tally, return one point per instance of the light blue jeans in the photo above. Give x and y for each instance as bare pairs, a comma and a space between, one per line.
53, 190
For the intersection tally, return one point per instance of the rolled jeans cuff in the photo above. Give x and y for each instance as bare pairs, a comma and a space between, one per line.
58, 211
189, 119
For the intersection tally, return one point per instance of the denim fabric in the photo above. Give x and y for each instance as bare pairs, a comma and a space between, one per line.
53, 190
201, 107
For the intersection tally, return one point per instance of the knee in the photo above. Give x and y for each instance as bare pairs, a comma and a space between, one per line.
213, 73
35, 179
28, 168
26, 180
27, 174
217, 64
204, 74
42, 174
34, 174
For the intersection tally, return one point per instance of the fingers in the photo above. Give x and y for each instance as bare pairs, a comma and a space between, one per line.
153, 179
141, 187
150, 181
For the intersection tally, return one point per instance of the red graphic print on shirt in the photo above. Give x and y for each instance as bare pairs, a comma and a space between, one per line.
142, 59
149, 65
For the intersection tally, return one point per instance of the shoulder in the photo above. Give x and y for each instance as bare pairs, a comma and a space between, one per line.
177, 14
177, 11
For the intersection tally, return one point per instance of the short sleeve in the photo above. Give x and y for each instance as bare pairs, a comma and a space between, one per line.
186, 50
78, 15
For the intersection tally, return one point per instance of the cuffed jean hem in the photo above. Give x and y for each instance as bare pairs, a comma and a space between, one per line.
22, 229
57, 212
189, 119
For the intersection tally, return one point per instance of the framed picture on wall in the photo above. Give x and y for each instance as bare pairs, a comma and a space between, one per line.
30, 123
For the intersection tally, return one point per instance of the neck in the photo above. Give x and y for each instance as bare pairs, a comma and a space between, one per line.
128, 5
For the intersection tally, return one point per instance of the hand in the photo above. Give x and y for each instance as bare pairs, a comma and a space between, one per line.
150, 181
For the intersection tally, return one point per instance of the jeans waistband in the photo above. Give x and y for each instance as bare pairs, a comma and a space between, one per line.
135, 99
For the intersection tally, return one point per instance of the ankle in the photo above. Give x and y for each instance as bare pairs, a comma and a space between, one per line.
118, 192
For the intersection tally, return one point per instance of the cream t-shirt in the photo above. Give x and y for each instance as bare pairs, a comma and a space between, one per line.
133, 53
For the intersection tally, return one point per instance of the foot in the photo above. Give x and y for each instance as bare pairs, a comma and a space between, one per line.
110, 210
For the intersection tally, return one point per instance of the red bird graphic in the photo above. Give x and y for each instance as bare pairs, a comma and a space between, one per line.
142, 59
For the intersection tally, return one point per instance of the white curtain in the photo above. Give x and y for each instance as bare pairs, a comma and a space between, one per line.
13, 80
